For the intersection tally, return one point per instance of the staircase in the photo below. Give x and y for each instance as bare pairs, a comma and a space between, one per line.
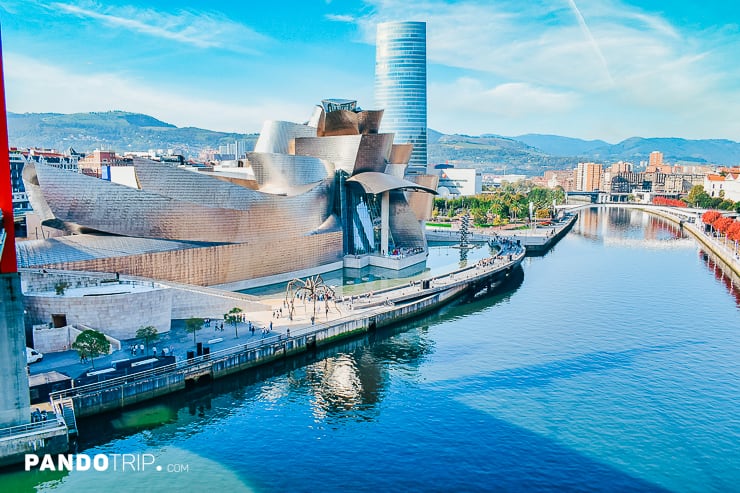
66, 409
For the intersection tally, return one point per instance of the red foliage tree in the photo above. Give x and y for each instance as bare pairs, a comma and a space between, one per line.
668, 202
710, 216
733, 232
722, 224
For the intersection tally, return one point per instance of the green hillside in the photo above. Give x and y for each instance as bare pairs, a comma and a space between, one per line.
526, 154
117, 130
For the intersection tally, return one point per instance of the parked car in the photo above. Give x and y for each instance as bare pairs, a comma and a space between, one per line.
32, 356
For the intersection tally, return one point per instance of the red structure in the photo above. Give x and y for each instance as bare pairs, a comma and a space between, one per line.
7, 256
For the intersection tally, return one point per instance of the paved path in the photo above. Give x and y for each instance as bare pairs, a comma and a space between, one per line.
212, 337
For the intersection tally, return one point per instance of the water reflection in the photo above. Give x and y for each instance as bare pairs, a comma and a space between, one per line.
623, 227
724, 276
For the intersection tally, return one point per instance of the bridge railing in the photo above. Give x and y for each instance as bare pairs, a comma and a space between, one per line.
194, 365
14, 431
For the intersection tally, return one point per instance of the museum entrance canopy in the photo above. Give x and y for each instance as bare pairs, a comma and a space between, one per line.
377, 183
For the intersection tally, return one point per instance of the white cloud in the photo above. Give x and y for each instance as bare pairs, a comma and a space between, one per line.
341, 18
468, 106
200, 29
631, 63
34, 86
511, 100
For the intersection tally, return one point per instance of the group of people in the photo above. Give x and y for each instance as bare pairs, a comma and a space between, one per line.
135, 349
38, 415
404, 252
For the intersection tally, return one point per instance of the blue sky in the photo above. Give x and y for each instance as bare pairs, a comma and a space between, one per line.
606, 69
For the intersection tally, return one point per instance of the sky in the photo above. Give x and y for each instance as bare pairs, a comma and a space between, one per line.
591, 69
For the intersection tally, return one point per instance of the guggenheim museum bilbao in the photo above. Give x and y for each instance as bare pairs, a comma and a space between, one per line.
310, 198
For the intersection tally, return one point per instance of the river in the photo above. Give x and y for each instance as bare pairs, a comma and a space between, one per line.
610, 364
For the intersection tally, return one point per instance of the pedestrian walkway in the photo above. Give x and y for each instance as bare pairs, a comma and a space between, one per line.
219, 335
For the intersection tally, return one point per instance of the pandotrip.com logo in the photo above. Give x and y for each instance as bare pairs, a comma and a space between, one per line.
125, 463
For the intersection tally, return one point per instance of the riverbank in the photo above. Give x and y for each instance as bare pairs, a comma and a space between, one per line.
348, 318
536, 240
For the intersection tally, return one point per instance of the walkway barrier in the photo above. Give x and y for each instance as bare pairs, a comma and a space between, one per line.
121, 391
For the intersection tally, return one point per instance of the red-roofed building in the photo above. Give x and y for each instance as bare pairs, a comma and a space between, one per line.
727, 186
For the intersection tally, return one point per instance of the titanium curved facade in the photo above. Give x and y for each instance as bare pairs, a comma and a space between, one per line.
401, 86
178, 204
276, 136
301, 201
284, 172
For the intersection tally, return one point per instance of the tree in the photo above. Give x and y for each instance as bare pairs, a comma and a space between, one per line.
697, 196
710, 216
233, 318
91, 343
149, 334
60, 287
193, 325
515, 209
733, 232
726, 205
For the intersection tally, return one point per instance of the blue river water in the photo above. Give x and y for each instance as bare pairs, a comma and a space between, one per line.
610, 364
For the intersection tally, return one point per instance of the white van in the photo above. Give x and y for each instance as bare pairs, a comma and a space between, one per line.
32, 356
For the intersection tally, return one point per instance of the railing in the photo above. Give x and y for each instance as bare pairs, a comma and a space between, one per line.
199, 363
14, 431
196, 364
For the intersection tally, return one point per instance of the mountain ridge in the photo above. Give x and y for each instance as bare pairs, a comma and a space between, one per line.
524, 154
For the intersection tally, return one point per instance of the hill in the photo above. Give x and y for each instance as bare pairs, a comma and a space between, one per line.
561, 146
529, 154
118, 130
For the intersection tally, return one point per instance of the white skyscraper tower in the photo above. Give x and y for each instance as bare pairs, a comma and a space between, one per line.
401, 86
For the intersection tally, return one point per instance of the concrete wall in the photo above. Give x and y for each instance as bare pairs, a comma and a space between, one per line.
49, 438
14, 397
40, 280
54, 339
210, 303
108, 399
118, 315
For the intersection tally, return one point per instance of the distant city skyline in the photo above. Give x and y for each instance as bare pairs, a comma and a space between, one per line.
605, 69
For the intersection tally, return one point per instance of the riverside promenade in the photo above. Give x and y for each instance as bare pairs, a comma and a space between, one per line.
236, 349
725, 252
537, 240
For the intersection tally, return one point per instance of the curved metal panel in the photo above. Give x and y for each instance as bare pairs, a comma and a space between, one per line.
286, 171
205, 209
401, 153
338, 150
377, 183
369, 121
373, 154
341, 122
406, 229
317, 119
396, 170
34, 193
421, 203
276, 136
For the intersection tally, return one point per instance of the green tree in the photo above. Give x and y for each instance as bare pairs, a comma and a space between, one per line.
91, 343
479, 216
515, 209
726, 205
193, 325
697, 196
60, 287
149, 334
233, 318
